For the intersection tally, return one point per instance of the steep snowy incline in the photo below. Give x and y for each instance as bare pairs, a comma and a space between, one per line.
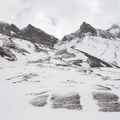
96, 42
22, 50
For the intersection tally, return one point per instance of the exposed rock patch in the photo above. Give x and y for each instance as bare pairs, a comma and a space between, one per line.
85, 28
23, 78
29, 33
101, 87
108, 102
94, 61
4, 51
69, 101
37, 36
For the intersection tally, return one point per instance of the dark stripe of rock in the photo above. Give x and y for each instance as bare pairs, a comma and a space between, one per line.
4, 51
108, 102
70, 101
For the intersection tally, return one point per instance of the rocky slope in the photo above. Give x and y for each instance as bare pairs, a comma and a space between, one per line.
73, 81
29, 33
103, 44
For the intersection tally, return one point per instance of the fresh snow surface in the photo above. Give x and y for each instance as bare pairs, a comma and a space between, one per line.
16, 90
105, 49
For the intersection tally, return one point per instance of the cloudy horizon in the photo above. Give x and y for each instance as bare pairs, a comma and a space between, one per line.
60, 17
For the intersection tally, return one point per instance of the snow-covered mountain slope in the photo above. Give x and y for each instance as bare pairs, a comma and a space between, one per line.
57, 84
29, 33
98, 43
115, 29
20, 50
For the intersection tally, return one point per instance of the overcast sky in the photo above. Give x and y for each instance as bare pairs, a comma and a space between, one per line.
60, 17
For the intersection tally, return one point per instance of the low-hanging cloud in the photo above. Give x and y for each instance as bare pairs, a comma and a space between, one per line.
60, 17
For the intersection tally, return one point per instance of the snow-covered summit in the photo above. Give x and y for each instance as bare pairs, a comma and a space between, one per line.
99, 43
115, 30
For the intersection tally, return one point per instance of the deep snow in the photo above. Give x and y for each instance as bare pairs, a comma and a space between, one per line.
22, 80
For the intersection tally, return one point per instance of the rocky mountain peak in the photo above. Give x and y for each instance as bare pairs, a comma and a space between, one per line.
30, 27
14, 28
80, 33
85, 28
29, 33
115, 30
37, 35
115, 26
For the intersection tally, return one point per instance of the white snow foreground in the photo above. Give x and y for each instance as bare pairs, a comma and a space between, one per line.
32, 86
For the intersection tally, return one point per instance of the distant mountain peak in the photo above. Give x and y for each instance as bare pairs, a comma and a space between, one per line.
85, 28
29, 33
115, 30
29, 26
114, 26
14, 28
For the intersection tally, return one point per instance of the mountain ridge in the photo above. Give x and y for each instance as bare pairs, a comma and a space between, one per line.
100, 45
29, 33
87, 28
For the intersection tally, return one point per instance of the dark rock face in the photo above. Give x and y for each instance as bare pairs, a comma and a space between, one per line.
108, 102
71, 101
5, 29
101, 87
14, 28
36, 35
105, 97
94, 61
39, 101
85, 28
30, 33
8, 46
4, 51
